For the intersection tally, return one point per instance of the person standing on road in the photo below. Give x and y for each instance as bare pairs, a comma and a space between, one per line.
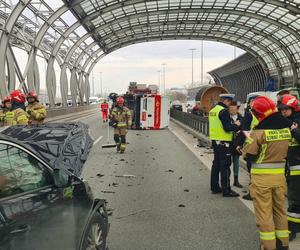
16, 114
36, 111
249, 122
104, 109
267, 147
121, 120
5, 106
235, 116
221, 133
289, 107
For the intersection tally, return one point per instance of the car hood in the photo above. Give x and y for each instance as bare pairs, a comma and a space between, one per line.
61, 145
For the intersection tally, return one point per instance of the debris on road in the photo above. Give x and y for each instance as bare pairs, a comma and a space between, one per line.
107, 192
186, 190
126, 176
170, 171
122, 160
180, 178
100, 175
133, 213
138, 134
114, 184
181, 205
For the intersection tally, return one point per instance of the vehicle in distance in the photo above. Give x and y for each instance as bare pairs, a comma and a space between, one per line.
177, 105
44, 204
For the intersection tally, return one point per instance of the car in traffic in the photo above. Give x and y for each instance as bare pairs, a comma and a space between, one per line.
177, 105
44, 203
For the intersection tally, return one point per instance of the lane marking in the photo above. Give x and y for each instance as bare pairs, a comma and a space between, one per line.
99, 139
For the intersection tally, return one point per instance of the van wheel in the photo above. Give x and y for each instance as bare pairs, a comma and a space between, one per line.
94, 238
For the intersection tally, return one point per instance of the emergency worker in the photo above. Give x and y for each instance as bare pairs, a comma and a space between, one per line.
5, 106
221, 133
36, 111
121, 120
267, 147
289, 107
104, 109
16, 115
249, 122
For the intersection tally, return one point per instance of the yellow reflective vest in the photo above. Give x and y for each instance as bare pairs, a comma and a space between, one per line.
37, 113
216, 130
16, 117
254, 122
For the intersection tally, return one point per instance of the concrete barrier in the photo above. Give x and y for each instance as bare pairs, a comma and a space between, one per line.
66, 111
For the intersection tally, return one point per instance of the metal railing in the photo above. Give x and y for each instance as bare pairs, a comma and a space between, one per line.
195, 122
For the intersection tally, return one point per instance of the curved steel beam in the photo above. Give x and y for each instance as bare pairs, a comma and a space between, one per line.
8, 27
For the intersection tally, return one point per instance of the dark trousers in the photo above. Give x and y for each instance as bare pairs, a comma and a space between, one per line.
294, 202
221, 164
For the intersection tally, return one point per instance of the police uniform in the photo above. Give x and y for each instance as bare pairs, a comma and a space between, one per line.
267, 149
121, 117
37, 113
221, 133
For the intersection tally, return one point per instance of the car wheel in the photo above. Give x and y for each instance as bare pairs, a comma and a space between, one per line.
94, 238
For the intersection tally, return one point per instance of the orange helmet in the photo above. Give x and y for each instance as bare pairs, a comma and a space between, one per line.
17, 96
262, 107
31, 94
288, 101
120, 100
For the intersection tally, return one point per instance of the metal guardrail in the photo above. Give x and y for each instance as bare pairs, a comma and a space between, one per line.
195, 122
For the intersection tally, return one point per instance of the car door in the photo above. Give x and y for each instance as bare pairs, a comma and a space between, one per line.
34, 214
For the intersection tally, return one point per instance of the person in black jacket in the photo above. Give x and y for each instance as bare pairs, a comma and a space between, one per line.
289, 107
235, 116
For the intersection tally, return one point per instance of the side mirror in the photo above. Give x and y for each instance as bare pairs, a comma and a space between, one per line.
61, 178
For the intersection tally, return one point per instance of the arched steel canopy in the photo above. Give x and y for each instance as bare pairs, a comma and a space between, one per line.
78, 33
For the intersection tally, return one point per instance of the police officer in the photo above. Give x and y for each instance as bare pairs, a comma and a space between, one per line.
36, 111
16, 114
267, 147
289, 107
121, 118
221, 133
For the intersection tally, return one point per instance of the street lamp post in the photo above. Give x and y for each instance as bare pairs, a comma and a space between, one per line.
164, 76
202, 62
93, 83
101, 83
160, 89
192, 66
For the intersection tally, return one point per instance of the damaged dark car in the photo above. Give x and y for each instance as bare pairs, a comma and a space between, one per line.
44, 204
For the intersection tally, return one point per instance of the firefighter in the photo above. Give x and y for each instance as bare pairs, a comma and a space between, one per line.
221, 133
267, 147
289, 107
36, 111
16, 115
104, 109
121, 120
6, 105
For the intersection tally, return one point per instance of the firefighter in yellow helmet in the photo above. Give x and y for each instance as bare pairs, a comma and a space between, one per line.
36, 111
16, 115
121, 120
6, 105
267, 147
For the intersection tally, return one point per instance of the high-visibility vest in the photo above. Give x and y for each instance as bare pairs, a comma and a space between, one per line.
10, 118
254, 122
261, 167
216, 130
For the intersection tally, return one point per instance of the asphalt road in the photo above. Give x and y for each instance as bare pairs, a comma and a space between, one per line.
159, 193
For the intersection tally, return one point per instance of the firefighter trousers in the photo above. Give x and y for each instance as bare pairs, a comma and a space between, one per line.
270, 213
294, 203
120, 138
104, 115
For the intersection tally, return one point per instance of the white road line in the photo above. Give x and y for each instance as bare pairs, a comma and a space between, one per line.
99, 139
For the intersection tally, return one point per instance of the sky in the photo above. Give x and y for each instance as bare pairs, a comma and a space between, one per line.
141, 62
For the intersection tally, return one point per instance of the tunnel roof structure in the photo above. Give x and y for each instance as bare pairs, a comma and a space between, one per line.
78, 33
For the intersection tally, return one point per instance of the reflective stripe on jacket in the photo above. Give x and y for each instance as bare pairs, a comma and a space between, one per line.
216, 130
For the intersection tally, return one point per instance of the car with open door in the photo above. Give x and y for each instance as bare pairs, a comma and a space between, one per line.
44, 203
